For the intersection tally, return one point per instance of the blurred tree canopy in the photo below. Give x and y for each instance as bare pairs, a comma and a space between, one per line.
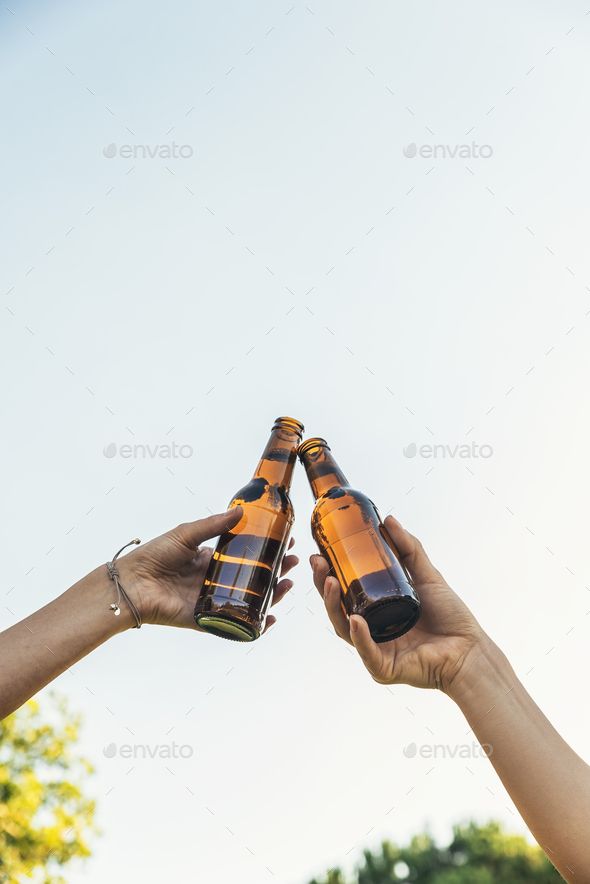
44, 818
476, 855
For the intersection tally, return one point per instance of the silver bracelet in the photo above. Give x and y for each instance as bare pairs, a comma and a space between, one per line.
113, 572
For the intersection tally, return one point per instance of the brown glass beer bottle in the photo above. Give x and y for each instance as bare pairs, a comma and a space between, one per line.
238, 586
348, 531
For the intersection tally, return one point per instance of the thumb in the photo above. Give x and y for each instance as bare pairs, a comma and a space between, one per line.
192, 534
411, 553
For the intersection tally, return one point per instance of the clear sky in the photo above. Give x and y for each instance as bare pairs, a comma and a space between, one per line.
210, 220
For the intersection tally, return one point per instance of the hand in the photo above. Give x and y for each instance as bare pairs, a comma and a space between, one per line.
164, 577
436, 652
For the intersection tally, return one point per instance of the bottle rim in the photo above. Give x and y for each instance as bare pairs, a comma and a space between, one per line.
313, 442
291, 423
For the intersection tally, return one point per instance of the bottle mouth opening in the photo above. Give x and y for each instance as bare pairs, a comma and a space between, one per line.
314, 442
290, 423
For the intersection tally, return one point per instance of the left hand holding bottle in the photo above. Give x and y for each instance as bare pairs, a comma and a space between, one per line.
438, 651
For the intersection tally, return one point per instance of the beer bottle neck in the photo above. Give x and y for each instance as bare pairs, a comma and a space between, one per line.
322, 470
278, 458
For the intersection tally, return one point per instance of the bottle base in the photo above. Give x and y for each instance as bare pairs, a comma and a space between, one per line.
224, 627
391, 619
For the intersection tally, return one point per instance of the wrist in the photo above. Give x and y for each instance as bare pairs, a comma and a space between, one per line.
93, 596
484, 672
130, 581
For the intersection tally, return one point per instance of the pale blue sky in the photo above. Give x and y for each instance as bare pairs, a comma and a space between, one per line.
298, 263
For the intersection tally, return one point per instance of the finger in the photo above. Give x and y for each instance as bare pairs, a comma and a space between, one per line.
411, 552
333, 603
367, 649
191, 534
204, 553
201, 559
291, 543
288, 563
281, 590
270, 621
320, 570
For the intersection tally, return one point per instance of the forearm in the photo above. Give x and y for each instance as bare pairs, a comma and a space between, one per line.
39, 648
547, 781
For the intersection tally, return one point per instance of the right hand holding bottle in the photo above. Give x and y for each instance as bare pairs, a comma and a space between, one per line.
437, 651
165, 575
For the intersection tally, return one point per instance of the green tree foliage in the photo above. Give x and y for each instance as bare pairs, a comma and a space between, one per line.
476, 855
44, 818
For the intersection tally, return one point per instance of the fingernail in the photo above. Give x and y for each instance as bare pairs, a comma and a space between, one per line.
353, 624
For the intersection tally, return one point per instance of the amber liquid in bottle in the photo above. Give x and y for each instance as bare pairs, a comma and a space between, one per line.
348, 531
238, 586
